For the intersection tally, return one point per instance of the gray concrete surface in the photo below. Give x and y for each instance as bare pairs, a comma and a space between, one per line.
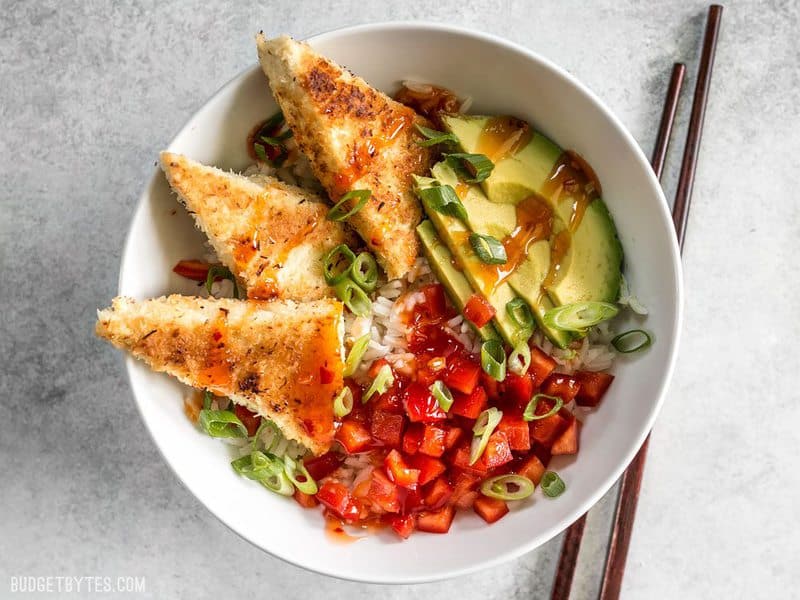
91, 91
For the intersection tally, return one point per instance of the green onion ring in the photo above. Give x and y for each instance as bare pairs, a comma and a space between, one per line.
256, 466
353, 297
519, 361
339, 213
520, 313
215, 271
278, 483
364, 272
619, 341
579, 316
343, 403
493, 359
433, 137
472, 168
208, 398
489, 249
529, 414
355, 355
442, 394
380, 384
222, 424
499, 487
484, 426
337, 264
298, 474
442, 199
552, 485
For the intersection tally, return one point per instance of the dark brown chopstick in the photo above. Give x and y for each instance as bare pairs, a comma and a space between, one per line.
632, 479
572, 540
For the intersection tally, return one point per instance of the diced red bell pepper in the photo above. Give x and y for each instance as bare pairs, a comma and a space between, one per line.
337, 498
387, 428
433, 441
491, 386
413, 502
452, 435
420, 404
434, 306
542, 365
376, 366
399, 471
249, 419
478, 310
490, 509
354, 436
196, 270
305, 500
462, 374
564, 386
459, 457
567, 442
403, 525
437, 521
593, 387
517, 432
429, 468
546, 431
413, 437
532, 467
518, 389
498, 451
470, 405
383, 492
464, 485
323, 465
439, 493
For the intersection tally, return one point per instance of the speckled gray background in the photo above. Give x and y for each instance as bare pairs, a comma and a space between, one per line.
88, 95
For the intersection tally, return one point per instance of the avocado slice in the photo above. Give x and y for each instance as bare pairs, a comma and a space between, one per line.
455, 234
441, 262
591, 268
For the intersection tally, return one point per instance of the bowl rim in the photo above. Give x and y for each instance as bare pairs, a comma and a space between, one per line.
667, 374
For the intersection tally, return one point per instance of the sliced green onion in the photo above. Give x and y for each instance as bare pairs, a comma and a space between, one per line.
343, 403
622, 342
442, 394
380, 384
273, 440
365, 272
337, 264
433, 137
278, 483
222, 424
484, 426
261, 152
520, 313
443, 199
276, 140
519, 361
529, 414
353, 297
208, 398
298, 474
339, 211
490, 250
552, 485
579, 316
256, 466
507, 487
219, 271
356, 354
272, 123
472, 168
493, 359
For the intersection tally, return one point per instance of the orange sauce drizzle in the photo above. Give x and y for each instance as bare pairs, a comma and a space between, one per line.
503, 136
217, 371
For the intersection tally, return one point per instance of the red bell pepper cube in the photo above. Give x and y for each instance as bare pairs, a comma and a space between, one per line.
387, 428
491, 386
459, 457
434, 304
305, 500
470, 405
565, 387
531, 467
517, 432
433, 441
546, 431
518, 389
593, 387
196, 270
249, 419
567, 442
413, 437
464, 484
478, 310
383, 492
420, 405
452, 435
437, 521
462, 374
429, 468
498, 451
323, 465
490, 509
354, 436
542, 365
439, 493
337, 498
403, 525
399, 471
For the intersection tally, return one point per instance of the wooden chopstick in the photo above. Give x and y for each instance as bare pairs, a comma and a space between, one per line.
572, 540
632, 479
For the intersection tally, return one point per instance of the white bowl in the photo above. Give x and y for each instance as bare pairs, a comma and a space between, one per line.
503, 78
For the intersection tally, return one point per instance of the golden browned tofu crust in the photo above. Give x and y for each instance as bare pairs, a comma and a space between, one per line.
355, 137
272, 236
281, 359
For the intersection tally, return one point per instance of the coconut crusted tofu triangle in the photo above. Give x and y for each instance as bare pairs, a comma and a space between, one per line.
355, 138
271, 235
281, 359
